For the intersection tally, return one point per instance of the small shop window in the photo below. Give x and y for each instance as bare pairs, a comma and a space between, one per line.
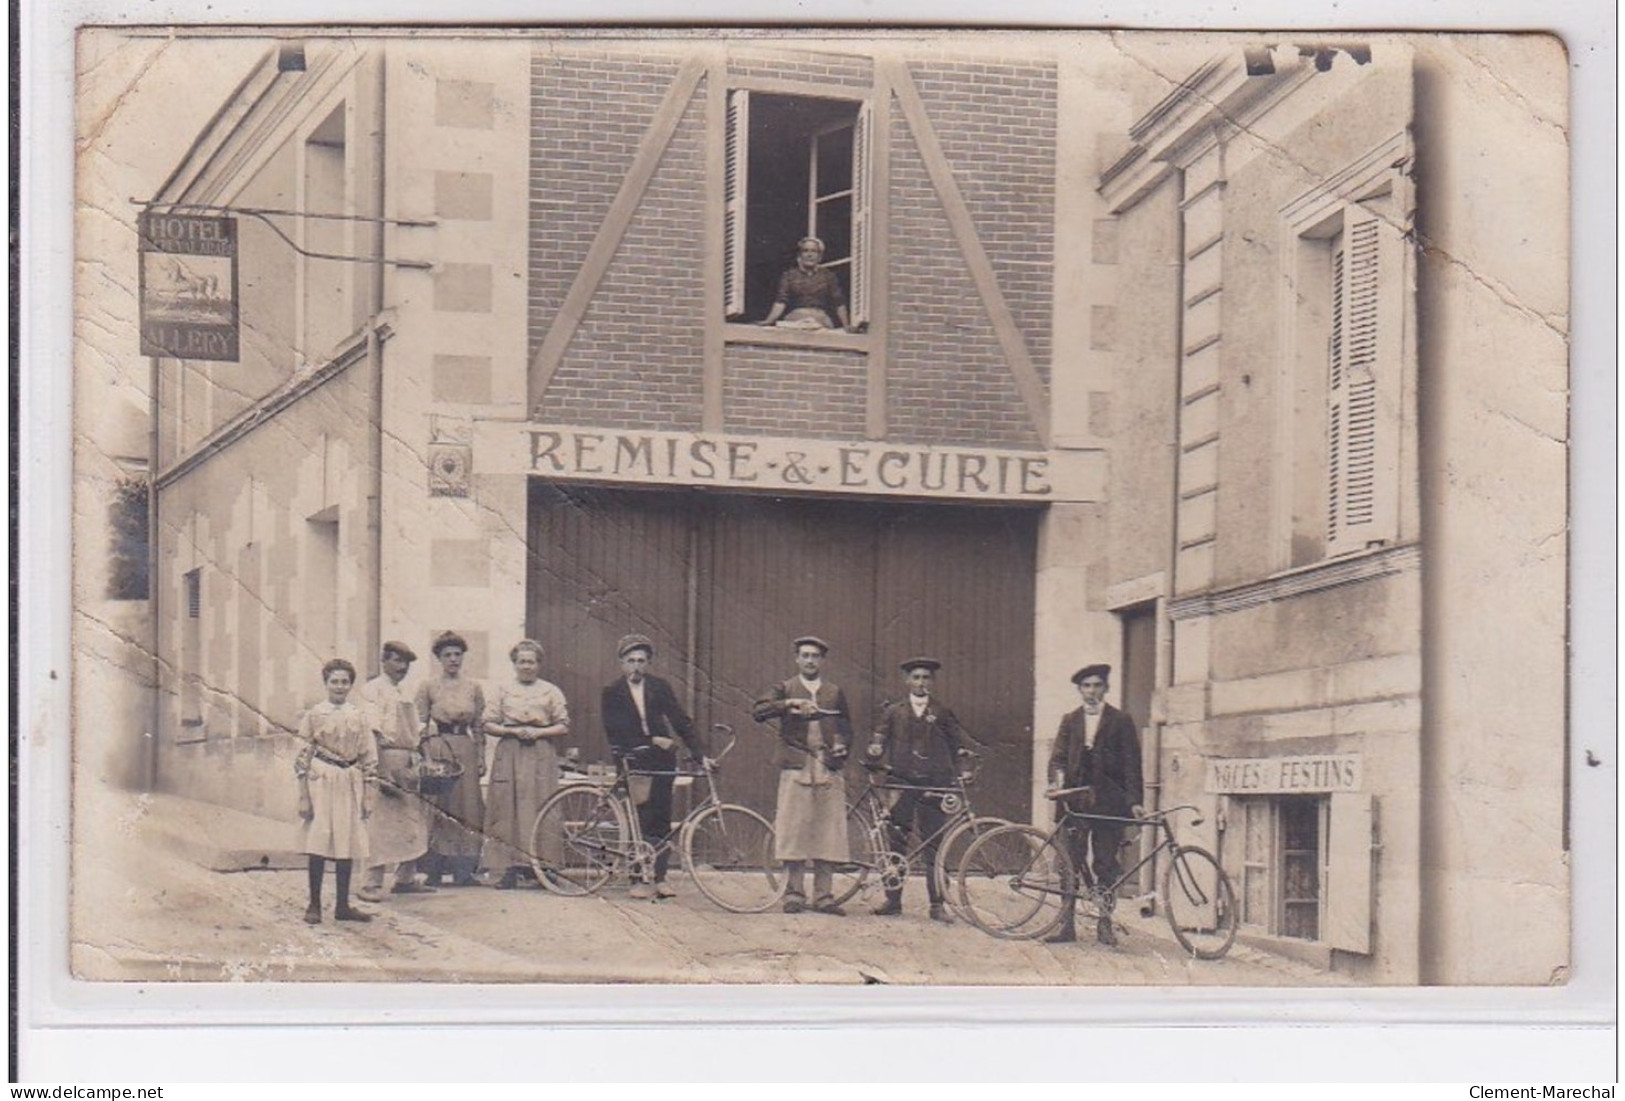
1283, 856
1301, 859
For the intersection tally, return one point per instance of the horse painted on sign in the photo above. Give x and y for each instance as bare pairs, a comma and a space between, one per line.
186, 285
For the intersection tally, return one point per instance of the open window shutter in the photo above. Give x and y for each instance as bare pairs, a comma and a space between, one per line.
1336, 397
735, 179
1348, 872
862, 160
1364, 376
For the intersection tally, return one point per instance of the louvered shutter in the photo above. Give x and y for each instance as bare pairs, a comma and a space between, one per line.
862, 160
735, 180
1363, 376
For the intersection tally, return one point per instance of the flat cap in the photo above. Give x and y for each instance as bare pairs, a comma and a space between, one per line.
400, 650
1104, 672
812, 640
632, 642
920, 663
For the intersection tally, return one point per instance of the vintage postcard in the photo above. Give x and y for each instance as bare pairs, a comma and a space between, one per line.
912, 507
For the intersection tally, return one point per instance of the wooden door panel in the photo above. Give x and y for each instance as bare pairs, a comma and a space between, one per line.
604, 564
957, 584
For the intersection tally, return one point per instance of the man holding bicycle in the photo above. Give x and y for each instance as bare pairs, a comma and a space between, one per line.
643, 722
918, 742
1096, 748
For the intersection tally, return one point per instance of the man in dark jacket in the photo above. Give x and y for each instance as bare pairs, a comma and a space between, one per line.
1098, 748
919, 744
644, 722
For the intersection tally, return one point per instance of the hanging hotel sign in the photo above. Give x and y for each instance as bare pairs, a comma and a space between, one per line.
1283, 775
780, 464
188, 286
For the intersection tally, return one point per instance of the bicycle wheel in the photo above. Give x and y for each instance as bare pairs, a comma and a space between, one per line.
728, 851
951, 852
1013, 881
579, 840
1200, 902
853, 876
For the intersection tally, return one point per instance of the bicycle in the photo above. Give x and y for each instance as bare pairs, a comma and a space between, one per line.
1016, 880
867, 822
586, 834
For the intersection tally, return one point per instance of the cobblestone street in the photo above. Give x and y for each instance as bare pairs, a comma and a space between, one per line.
151, 909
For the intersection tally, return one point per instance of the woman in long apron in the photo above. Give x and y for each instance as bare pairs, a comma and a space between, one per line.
452, 708
337, 764
527, 717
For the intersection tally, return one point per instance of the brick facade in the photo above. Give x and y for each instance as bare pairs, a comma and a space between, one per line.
794, 392
636, 359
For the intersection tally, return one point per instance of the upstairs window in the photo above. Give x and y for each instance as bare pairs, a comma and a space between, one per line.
325, 302
1361, 474
1346, 386
797, 166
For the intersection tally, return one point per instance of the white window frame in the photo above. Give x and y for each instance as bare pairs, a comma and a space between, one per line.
736, 144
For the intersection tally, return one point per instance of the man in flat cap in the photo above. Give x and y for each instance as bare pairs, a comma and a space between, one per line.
815, 735
919, 744
399, 826
644, 723
1098, 748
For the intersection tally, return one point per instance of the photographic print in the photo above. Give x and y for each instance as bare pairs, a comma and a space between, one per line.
767, 507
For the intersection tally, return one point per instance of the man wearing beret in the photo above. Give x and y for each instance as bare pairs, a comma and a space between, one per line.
1098, 748
644, 722
399, 826
918, 742
815, 735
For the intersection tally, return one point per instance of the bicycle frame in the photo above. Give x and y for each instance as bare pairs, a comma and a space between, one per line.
874, 801
621, 790
1157, 820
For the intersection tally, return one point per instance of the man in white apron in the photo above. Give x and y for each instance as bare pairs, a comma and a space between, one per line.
815, 735
399, 827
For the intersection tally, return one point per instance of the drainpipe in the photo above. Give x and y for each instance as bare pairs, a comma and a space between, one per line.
149, 771
375, 359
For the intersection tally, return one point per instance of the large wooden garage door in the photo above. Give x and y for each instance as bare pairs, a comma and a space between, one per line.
722, 583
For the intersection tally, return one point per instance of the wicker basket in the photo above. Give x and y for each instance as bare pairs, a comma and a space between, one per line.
439, 770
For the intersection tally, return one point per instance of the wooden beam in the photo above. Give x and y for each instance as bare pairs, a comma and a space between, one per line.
1014, 346
779, 86
712, 262
651, 148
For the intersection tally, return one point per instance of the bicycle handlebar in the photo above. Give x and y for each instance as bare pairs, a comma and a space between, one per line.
1151, 819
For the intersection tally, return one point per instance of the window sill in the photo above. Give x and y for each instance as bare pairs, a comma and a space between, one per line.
837, 339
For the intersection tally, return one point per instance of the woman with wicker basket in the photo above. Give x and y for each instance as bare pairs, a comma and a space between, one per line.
452, 708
